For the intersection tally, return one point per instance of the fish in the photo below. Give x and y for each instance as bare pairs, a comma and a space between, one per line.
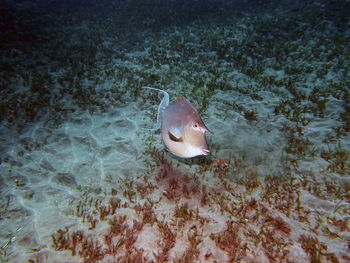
183, 131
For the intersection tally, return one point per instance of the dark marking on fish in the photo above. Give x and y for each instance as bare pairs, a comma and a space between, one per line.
174, 138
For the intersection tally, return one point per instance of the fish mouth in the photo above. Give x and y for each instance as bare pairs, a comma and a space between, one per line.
205, 151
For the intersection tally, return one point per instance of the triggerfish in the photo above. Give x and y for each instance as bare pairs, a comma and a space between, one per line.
183, 130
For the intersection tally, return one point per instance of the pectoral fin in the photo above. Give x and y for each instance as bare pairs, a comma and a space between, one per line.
174, 138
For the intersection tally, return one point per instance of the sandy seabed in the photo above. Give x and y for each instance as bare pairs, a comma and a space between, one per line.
82, 181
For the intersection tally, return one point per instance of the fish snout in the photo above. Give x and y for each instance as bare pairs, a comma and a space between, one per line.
205, 151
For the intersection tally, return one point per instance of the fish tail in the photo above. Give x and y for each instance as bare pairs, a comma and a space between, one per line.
162, 106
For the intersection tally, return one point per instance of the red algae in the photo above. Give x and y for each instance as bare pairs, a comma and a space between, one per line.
178, 224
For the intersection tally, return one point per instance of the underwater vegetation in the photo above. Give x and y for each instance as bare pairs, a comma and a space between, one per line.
272, 85
260, 227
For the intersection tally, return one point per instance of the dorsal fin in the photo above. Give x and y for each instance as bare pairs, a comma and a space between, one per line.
164, 103
180, 99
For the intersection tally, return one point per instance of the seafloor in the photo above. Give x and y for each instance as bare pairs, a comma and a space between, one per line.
82, 181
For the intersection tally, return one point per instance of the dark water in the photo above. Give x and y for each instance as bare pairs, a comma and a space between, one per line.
25, 20
36, 28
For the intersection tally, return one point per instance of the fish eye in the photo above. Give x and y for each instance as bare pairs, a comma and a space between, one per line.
195, 125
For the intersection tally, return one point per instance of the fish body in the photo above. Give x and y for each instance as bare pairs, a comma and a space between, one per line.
182, 129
